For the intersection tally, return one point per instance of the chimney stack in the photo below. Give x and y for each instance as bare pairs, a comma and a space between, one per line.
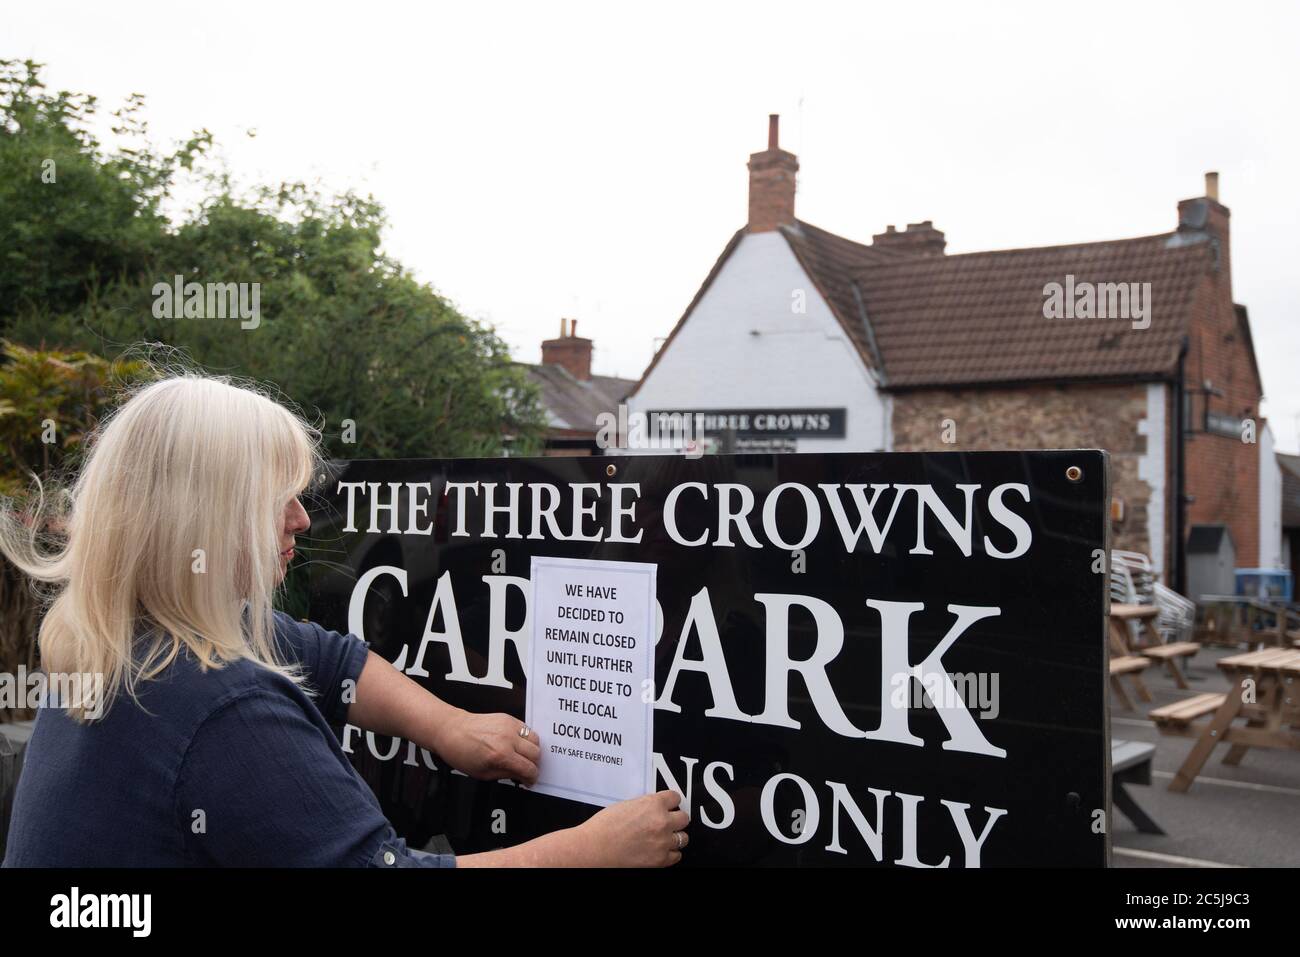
920, 239
569, 351
772, 175
1206, 215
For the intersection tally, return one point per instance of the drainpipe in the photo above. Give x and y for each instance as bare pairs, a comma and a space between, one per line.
1180, 472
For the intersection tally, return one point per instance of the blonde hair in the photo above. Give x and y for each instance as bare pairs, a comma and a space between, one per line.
173, 524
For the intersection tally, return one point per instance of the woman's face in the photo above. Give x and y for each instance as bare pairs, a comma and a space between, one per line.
294, 521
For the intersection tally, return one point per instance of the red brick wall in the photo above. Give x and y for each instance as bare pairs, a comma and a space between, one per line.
1222, 471
1044, 417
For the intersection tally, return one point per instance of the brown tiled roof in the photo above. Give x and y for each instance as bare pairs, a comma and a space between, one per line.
977, 318
574, 405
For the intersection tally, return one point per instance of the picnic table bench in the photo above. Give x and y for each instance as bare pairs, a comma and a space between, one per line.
1152, 648
1265, 692
1130, 763
1133, 666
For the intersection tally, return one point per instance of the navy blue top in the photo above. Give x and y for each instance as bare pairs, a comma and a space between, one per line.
235, 766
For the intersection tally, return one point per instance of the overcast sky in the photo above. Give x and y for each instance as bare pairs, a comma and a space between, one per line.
542, 160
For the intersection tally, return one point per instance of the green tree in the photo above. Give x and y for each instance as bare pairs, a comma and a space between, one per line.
344, 331
49, 402
74, 216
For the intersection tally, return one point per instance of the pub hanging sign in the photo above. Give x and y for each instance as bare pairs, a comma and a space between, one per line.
867, 659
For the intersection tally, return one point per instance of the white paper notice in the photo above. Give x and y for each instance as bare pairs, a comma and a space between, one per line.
591, 662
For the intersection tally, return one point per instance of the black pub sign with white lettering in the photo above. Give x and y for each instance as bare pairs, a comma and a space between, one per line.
796, 423
862, 659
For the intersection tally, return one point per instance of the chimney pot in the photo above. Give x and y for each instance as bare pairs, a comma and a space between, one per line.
773, 130
1212, 186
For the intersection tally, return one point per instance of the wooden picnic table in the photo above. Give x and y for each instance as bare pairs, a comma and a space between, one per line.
1232, 619
1126, 654
1265, 693
1124, 663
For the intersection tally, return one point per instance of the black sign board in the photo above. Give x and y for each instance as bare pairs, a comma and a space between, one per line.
877, 659
757, 423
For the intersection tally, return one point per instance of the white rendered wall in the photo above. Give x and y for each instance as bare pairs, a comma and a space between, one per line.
1270, 503
1151, 469
796, 360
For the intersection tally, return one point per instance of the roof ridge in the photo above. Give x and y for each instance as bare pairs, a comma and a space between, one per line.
1063, 246
902, 256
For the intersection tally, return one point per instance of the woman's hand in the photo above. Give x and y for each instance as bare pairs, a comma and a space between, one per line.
489, 747
642, 832
647, 831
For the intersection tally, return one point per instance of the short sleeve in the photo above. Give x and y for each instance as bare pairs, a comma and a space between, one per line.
330, 660
261, 786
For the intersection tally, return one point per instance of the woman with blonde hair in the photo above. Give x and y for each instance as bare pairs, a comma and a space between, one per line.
205, 739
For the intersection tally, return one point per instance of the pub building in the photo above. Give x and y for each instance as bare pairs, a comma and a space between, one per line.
802, 340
